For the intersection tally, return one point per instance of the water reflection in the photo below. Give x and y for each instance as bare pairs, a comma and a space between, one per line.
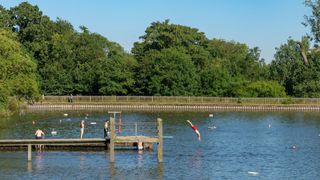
38, 161
140, 158
160, 171
112, 170
82, 160
29, 165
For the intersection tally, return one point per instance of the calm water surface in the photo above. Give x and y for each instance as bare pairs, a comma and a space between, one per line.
242, 142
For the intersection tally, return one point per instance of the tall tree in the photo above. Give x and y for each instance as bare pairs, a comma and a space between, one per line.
18, 70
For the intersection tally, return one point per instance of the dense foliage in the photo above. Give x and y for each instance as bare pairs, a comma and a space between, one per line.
42, 56
18, 71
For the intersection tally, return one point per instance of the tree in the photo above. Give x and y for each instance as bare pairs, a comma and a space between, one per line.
261, 89
18, 70
313, 20
25, 15
167, 72
288, 68
163, 35
215, 81
238, 59
5, 21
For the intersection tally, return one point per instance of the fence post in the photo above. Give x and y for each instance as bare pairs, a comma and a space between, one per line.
112, 136
160, 141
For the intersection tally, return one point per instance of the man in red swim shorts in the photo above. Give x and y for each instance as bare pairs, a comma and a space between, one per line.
195, 129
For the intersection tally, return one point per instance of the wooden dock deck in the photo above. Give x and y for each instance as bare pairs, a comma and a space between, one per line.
127, 142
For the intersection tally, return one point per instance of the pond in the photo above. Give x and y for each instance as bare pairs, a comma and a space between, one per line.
234, 145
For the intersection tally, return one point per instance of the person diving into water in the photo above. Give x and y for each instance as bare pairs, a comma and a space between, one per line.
195, 129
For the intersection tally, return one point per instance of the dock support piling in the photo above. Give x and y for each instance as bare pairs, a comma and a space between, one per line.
160, 143
112, 136
29, 152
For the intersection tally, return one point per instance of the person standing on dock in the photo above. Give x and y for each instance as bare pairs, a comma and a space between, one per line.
39, 135
195, 129
81, 128
106, 129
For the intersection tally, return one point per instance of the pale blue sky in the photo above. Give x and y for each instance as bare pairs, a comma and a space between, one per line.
263, 23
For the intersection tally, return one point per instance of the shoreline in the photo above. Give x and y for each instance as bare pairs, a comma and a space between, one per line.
173, 107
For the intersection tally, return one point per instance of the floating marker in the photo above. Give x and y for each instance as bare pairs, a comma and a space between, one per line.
65, 114
93, 123
212, 127
253, 173
210, 115
53, 132
167, 137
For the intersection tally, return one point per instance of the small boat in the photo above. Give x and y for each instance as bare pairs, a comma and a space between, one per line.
65, 114
93, 123
210, 115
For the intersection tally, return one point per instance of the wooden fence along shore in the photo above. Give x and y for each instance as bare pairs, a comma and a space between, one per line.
174, 103
204, 108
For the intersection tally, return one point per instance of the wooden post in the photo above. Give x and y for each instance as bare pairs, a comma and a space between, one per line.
112, 136
29, 152
160, 145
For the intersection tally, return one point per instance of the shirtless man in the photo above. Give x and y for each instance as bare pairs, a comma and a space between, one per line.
39, 135
195, 129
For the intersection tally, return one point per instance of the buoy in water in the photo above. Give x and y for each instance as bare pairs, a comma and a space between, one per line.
210, 115
53, 132
253, 173
65, 114
294, 147
212, 127
93, 123
269, 125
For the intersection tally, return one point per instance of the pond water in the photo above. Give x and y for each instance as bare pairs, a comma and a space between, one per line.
244, 145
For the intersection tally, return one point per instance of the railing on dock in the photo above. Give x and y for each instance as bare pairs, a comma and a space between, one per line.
130, 133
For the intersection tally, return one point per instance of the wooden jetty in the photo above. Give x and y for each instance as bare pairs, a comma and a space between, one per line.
112, 143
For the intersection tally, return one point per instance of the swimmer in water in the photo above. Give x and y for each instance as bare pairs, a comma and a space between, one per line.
195, 129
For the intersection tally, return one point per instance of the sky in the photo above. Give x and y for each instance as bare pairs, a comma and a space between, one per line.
263, 23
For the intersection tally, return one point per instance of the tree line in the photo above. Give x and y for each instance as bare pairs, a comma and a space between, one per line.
43, 56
